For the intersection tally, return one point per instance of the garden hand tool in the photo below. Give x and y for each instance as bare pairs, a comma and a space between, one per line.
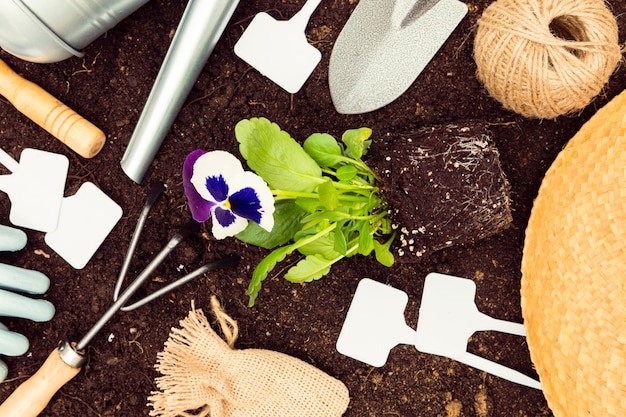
448, 316
64, 363
49, 113
384, 46
15, 280
35, 188
279, 49
200, 27
155, 191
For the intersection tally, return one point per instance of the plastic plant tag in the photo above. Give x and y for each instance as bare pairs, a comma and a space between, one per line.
279, 49
35, 188
448, 316
374, 323
86, 220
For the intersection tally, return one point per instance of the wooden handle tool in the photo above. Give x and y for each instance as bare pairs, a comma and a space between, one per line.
48, 112
34, 394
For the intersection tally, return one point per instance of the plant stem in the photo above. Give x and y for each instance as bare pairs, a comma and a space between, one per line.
292, 195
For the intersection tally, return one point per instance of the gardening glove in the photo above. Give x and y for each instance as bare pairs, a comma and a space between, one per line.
12, 280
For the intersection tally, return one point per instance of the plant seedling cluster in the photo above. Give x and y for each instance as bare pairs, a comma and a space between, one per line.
328, 205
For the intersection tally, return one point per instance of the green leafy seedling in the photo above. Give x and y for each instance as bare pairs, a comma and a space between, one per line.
328, 203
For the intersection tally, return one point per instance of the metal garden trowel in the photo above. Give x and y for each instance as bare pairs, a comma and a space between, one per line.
448, 316
279, 49
384, 46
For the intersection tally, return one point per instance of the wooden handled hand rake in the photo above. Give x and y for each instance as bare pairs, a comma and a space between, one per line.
64, 363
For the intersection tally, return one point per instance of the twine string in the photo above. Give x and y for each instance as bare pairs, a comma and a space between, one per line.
545, 58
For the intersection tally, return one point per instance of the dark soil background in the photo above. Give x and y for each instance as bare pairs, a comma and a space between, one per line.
109, 87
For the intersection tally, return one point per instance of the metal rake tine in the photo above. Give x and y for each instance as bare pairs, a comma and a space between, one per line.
226, 262
155, 192
189, 228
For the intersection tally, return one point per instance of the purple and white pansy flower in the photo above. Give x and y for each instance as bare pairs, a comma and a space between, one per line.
217, 186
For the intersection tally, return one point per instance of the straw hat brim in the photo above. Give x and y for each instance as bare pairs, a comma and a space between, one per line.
574, 271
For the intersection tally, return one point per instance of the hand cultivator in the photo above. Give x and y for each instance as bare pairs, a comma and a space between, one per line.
64, 363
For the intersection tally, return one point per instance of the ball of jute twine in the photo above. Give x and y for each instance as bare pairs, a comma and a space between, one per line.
546, 58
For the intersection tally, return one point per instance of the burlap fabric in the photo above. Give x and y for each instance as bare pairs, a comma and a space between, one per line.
574, 271
203, 375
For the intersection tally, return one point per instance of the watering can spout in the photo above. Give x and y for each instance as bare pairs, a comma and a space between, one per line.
199, 30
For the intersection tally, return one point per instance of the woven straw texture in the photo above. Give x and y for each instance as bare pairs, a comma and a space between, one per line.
202, 375
574, 271
545, 58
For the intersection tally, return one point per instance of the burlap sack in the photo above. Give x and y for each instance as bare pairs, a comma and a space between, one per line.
203, 375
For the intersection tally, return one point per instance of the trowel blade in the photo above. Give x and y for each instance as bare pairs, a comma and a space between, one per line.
375, 58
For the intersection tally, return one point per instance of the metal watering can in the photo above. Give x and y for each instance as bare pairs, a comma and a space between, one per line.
45, 31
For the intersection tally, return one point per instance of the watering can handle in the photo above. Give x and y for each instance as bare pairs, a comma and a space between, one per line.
499, 370
55, 117
33, 395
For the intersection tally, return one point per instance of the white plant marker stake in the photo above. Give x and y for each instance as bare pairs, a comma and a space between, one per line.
375, 324
279, 49
86, 219
35, 188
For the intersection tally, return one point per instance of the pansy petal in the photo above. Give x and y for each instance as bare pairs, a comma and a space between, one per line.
245, 203
226, 224
252, 199
208, 169
217, 188
223, 216
199, 207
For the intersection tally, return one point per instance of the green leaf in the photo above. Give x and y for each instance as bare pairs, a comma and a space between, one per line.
277, 255
276, 157
314, 218
341, 243
385, 226
264, 268
324, 246
287, 216
382, 252
346, 172
324, 149
310, 268
366, 240
357, 143
329, 196
310, 205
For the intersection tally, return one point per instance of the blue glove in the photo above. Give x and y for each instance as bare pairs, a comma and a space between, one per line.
13, 304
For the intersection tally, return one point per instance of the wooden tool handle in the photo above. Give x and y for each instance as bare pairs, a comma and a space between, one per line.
32, 396
48, 112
